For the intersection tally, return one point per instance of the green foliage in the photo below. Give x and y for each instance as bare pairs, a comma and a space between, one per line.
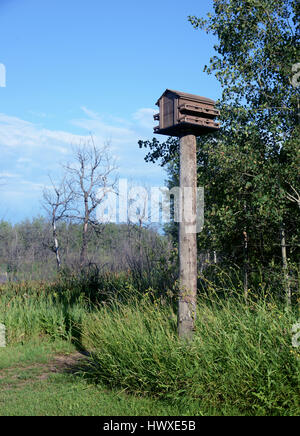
240, 362
32, 310
26, 253
58, 309
241, 357
251, 165
29, 387
258, 43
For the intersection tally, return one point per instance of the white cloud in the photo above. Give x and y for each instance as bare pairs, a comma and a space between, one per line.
104, 130
29, 152
90, 113
8, 175
38, 114
15, 132
24, 160
32, 185
144, 117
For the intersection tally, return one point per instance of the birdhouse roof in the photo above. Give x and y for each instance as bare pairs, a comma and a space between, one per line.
192, 97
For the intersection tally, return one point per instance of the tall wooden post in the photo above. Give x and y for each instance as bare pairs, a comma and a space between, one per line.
287, 286
186, 116
187, 237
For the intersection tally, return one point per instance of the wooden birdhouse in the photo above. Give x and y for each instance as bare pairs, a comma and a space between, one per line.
181, 113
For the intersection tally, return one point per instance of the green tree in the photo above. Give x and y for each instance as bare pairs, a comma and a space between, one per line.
251, 166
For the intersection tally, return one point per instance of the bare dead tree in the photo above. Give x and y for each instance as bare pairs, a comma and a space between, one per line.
295, 197
57, 201
90, 179
146, 253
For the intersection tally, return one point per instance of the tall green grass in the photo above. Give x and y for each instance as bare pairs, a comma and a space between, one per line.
31, 310
241, 357
241, 360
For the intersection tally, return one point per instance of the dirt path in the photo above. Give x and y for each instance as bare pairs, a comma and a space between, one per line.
61, 363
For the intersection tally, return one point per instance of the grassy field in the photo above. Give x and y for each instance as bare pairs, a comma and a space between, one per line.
46, 379
241, 361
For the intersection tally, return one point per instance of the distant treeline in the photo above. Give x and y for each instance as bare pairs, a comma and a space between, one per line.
27, 250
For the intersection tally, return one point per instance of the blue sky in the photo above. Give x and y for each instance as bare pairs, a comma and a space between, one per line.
75, 67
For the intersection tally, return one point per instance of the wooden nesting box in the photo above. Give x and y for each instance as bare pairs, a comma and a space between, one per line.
181, 113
